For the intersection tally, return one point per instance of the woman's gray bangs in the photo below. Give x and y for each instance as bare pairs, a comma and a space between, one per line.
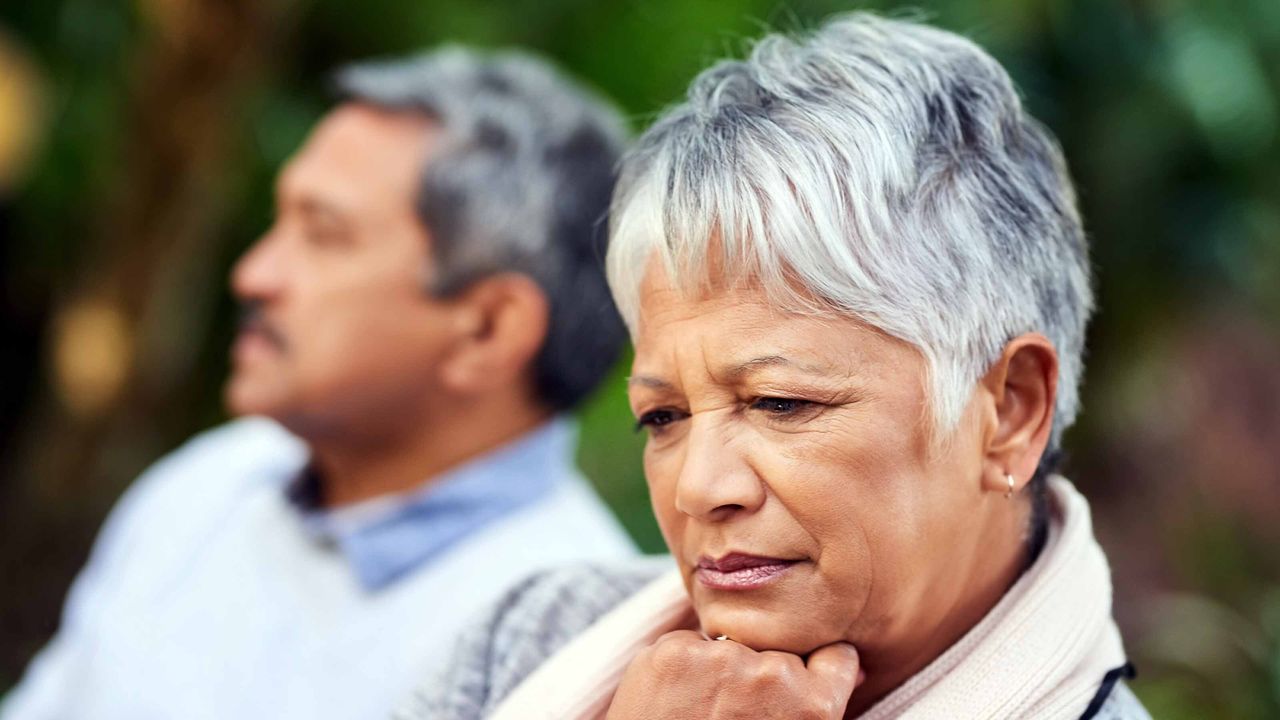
693, 207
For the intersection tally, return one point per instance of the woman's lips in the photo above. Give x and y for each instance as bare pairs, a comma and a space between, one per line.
737, 571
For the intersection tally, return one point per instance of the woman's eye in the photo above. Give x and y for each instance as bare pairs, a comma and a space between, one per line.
657, 419
781, 406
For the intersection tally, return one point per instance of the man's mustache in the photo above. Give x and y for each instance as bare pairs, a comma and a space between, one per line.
254, 320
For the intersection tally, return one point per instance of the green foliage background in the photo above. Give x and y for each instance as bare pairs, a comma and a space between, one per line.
161, 123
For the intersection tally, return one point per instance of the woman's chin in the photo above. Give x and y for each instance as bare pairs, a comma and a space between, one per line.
797, 633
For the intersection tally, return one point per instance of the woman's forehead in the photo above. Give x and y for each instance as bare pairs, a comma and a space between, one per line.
714, 291
736, 333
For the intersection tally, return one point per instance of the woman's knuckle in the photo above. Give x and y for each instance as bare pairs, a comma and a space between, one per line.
767, 674
671, 655
820, 708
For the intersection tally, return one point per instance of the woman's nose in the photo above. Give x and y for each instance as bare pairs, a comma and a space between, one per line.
716, 481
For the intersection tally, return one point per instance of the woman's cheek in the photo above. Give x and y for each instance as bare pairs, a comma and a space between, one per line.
836, 518
662, 491
898, 574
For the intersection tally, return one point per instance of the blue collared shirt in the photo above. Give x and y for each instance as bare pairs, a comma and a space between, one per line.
386, 537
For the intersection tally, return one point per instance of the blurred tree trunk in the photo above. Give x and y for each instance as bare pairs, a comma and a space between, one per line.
130, 325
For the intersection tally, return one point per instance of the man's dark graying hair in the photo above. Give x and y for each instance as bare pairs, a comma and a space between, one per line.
519, 181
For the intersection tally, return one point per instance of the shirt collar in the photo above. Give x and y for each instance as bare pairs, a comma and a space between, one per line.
386, 537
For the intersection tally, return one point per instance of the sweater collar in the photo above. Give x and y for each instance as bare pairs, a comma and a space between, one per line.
387, 537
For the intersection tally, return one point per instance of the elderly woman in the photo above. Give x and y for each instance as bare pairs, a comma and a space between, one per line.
857, 285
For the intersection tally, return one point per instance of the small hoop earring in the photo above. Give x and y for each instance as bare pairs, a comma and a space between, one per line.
1009, 493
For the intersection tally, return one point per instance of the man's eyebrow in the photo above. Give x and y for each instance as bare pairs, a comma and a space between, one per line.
649, 381
319, 209
306, 200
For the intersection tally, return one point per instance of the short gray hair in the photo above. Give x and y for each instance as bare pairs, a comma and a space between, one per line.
879, 168
520, 181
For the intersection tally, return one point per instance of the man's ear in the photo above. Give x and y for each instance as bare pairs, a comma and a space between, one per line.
1020, 390
503, 320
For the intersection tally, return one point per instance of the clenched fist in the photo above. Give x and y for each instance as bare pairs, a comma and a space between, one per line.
683, 676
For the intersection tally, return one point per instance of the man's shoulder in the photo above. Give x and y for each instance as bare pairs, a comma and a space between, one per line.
242, 443
524, 628
172, 509
202, 475
239, 451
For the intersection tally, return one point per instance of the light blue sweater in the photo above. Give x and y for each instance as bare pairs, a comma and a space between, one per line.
211, 595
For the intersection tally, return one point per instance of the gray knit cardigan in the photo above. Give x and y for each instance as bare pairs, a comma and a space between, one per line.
541, 615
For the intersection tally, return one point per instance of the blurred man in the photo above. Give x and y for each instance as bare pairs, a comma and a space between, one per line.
427, 305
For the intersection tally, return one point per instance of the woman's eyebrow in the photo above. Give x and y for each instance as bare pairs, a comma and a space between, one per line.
736, 372
649, 381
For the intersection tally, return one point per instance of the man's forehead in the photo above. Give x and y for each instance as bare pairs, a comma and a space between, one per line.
358, 149
365, 119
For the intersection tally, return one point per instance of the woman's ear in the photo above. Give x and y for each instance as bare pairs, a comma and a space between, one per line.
503, 320
1022, 386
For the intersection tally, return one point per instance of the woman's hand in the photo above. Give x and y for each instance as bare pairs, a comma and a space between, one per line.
684, 676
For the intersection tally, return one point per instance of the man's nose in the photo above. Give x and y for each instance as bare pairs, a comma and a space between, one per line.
716, 481
259, 274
